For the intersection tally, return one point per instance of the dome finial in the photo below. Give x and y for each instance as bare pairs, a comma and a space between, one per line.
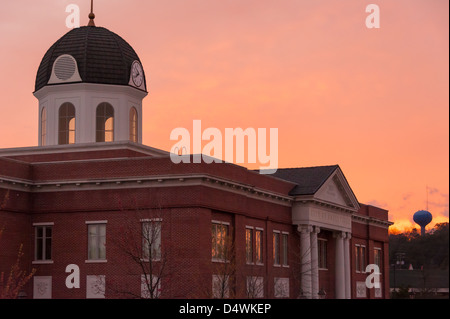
91, 15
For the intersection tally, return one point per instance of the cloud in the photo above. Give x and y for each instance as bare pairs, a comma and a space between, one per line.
407, 196
378, 203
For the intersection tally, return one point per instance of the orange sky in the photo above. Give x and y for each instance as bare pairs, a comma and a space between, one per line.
374, 101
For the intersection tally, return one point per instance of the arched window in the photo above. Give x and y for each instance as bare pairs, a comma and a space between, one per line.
44, 127
66, 133
105, 123
133, 125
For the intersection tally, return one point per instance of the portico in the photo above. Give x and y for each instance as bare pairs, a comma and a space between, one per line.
326, 207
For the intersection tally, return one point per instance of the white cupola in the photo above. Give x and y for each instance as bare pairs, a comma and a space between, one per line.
90, 86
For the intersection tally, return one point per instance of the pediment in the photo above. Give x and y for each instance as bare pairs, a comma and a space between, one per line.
336, 190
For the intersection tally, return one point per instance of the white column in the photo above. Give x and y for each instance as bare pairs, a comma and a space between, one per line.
305, 259
340, 266
314, 263
347, 265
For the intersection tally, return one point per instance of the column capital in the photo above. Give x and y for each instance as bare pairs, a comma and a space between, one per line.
316, 229
339, 234
304, 228
348, 236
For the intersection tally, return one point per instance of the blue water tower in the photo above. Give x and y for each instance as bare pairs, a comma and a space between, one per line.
423, 218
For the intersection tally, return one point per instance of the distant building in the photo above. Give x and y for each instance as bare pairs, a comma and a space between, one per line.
420, 283
300, 233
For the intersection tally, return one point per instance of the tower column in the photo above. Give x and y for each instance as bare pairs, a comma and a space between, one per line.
315, 263
305, 260
347, 265
340, 265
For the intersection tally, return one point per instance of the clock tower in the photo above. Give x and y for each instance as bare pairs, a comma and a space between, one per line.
90, 86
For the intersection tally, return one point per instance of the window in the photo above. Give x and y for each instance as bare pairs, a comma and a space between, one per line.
259, 246
44, 126
360, 258
133, 125
377, 257
322, 247
43, 243
276, 248
249, 245
97, 241
220, 287
105, 123
255, 287
66, 131
363, 258
284, 248
151, 239
220, 241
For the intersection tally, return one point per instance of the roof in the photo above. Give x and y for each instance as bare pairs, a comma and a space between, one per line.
308, 179
102, 56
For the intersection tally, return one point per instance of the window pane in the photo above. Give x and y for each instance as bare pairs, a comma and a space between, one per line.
109, 124
219, 241
105, 123
285, 249
357, 258
363, 259
44, 127
214, 240
276, 248
39, 244
133, 125
97, 242
249, 245
48, 249
66, 124
259, 247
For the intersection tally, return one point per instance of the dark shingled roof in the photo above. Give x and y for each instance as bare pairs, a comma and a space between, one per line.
308, 179
102, 56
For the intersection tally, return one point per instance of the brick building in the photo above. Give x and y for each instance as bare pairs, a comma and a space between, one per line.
130, 223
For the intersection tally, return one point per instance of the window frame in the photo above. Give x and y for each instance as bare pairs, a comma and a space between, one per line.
103, 118
259, 252
377, 251
158, 250
322, 247
98, 243
44, 126
360, 258
284, 249
221, 256
276, 241
134, 125
249, 243
66, 134
43, 259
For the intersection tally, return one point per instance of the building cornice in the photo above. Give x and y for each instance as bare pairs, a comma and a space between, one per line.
312, 200
371, 221
144, 182
86, 147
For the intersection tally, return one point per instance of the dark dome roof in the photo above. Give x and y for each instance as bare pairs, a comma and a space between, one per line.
102, 56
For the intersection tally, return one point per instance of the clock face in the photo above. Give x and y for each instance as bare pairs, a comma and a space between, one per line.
137, 74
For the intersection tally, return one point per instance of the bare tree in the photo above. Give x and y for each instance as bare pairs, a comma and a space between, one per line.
255, 287
302, 265
224, 271
12, 284
223, 267
140, 242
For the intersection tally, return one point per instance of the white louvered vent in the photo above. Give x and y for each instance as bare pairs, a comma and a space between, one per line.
65, 69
